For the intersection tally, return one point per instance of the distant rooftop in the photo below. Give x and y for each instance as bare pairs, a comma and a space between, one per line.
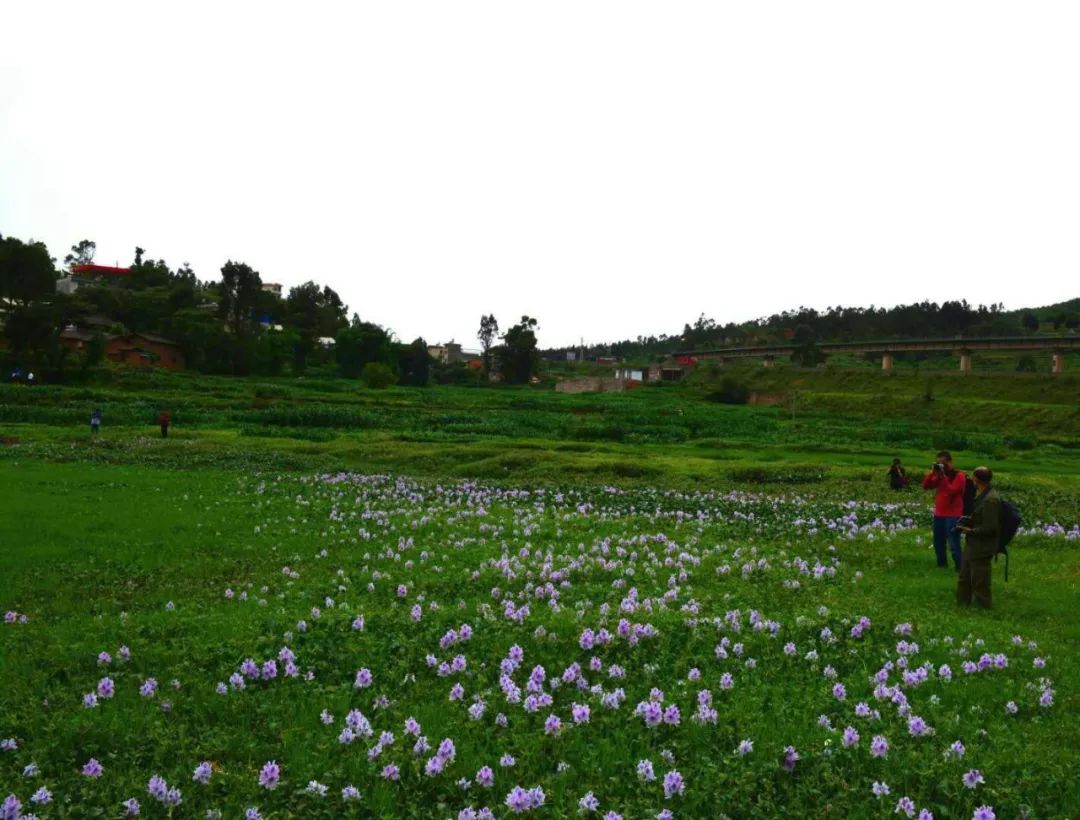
99, 270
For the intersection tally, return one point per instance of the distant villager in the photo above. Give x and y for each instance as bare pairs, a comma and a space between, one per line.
898, 479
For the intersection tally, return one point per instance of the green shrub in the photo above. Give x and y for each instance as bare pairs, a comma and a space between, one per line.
272, 391
788, 474
301, 433
947, 440
730, 391
1020, 443
378, 376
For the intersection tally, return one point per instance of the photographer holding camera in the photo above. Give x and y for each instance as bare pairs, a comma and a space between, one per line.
948, 484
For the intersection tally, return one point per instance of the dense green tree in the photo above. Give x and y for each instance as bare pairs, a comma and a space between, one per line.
314, 313
360, 344
202, 339
1030, 321
273, 350
27, 273
414, 364
517, 354
240, 288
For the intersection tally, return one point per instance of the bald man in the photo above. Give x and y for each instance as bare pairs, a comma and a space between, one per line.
983, 530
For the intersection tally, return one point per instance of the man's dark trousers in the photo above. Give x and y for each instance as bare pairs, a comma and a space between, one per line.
945, 530
974, 580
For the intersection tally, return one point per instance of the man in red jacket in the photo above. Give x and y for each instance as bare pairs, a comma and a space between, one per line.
948, 484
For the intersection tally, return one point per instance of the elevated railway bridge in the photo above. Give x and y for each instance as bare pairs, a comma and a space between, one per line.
962, 348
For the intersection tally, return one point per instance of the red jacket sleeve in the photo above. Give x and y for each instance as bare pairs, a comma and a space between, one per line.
931, 481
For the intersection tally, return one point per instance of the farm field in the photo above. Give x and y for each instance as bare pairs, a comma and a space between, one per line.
699, 611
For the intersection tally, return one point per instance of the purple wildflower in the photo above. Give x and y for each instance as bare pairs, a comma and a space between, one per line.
791, 757
673, 784
270, 775
879, 746
157, 788
645, 770
202, 773
917, 726
905, 805
11, 808
589, 802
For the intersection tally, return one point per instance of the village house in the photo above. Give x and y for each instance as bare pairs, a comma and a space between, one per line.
451, 353
140, 349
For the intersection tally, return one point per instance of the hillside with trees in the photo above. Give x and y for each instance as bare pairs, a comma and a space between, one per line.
235, 324
807, 326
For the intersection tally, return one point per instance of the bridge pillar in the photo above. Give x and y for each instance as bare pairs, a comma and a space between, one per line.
767, 361
965, 361
1057, 362
887, 362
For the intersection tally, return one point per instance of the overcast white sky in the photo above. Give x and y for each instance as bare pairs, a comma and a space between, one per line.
612, 168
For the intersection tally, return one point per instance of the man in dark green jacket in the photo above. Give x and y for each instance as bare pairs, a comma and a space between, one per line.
983, 529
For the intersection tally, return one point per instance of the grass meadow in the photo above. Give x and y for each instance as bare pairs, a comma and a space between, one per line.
319, 601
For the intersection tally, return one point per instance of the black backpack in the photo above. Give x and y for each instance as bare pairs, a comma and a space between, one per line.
1007, 527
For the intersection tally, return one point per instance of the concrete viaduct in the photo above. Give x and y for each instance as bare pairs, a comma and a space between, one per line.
1057, 346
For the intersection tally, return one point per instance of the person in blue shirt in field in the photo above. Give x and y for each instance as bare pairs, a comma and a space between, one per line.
95, 421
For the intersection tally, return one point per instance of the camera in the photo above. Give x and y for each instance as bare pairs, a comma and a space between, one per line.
939, 467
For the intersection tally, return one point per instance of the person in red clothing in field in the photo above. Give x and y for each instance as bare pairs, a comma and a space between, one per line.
948, 485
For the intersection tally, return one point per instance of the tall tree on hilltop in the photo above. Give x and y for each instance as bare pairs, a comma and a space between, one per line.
81, 254
240, 289
489, 329
517, 355
314, 313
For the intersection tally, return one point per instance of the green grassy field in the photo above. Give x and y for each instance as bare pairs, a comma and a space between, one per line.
740, 548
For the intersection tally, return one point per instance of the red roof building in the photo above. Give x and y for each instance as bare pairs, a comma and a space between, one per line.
98, 271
